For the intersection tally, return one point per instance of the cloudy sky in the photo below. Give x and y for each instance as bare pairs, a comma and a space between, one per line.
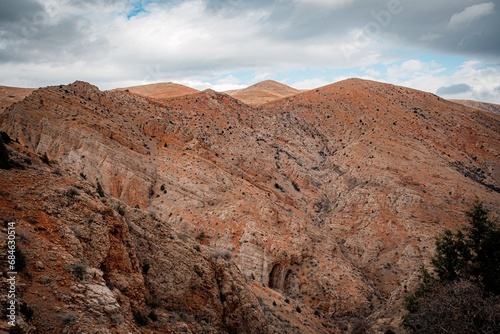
448, 47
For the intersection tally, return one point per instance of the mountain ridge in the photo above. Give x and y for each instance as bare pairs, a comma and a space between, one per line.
263, 92
329, 198
161, 90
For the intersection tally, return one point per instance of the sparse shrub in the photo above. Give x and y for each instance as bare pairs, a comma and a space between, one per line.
26, 311
153, 302
69, 318
153, 316
45, 280
20, 260
121, 210
83, 176
458, 307
222, 253
5, 162
298, 309
57, 172
140, 318
78, 270
198, 270
99, 189
145, 268
45, 159
72, 192
110, 285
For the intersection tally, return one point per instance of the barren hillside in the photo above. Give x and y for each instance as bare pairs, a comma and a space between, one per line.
159, 90
9, 95
263, 92
320, 207
491, 107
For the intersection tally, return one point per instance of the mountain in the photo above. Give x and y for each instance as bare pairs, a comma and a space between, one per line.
263, 92
312, 213
491, 107
9, 95
159, 90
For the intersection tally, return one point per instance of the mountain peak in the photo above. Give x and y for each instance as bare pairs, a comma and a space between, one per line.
263, 92
161, 90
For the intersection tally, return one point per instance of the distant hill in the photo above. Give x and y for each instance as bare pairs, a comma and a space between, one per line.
161, 90
263, 92
9, 95
491, 107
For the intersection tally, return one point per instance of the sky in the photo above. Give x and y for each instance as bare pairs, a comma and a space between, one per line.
448, 47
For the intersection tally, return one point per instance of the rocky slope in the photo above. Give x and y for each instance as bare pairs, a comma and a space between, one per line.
263, 92
95, 265
160, 91
9, 95
326, 201
491, 107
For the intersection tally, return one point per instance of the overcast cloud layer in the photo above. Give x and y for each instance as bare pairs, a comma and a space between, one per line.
450, 47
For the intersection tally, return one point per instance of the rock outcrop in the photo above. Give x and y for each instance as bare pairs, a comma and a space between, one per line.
94, 264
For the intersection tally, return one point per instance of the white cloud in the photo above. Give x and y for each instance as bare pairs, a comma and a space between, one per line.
310, 83
412, 65
330, 4
481, 79
470, 14
205, 42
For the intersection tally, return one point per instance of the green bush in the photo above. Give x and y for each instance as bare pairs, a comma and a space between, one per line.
471, 254
464, 296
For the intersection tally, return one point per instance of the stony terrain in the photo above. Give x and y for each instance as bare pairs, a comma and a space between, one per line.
308, 214
491, 107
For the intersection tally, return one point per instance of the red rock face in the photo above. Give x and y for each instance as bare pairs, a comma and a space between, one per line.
329, 198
